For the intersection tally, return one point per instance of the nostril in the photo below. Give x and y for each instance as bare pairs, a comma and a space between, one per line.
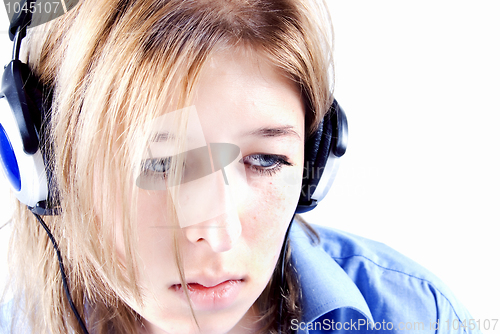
220, 233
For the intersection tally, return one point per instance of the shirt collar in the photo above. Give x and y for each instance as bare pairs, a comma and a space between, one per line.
325, 286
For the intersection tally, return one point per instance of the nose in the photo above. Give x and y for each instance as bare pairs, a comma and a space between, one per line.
220, 233
219, 225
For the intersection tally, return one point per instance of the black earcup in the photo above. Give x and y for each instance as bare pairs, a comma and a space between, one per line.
13, 89
321, 154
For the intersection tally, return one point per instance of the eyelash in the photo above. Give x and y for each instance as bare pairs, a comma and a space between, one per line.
279, 162
156, 166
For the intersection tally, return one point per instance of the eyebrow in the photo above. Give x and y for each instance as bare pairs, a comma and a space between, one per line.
162, 137
281, 131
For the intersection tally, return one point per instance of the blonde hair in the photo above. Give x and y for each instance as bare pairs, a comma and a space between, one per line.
112, 66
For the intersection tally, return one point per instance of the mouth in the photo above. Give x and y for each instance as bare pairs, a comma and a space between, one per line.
209, 296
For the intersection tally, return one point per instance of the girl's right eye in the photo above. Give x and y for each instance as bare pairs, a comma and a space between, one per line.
156, 165
153, 173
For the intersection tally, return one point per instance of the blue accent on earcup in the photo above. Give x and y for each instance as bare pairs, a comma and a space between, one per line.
9, 161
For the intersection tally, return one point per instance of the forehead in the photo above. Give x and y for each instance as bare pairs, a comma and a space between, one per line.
241, 91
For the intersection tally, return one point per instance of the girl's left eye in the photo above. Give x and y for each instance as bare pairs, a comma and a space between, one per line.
265, 164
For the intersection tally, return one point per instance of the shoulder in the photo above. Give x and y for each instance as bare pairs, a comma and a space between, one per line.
352, 251
395, 288
11, 319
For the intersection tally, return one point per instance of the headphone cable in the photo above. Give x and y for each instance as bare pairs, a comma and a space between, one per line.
282, 276
63, 273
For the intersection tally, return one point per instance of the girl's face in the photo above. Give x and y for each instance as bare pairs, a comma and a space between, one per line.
228, 259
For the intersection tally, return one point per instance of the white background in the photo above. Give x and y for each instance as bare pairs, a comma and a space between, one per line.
420, 83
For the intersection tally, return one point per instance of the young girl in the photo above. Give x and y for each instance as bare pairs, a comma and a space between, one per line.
174, 137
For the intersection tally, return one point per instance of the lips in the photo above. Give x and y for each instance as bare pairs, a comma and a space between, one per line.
210, 296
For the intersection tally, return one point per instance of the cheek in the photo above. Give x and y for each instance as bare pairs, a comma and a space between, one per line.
155, 233
275, 195
155, 222
269, 209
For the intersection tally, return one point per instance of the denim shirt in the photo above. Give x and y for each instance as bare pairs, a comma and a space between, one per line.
355, 285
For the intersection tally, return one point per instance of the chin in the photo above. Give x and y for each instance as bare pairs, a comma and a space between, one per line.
214, 326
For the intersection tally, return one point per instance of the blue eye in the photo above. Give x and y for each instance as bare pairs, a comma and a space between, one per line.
265, 164
156, 165
154, 173
261, 160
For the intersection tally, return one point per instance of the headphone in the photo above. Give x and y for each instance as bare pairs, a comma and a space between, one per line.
25, 106
23, 124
